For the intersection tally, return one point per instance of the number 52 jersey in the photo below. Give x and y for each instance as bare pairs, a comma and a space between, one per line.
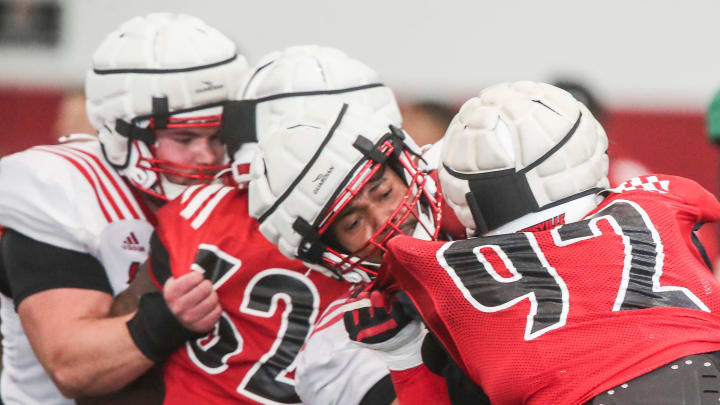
270, 303
561, 315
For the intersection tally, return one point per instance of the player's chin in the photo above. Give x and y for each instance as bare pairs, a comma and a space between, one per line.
408, 227
376, 256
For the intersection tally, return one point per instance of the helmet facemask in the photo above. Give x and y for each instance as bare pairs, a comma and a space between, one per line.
153, 175
417, 214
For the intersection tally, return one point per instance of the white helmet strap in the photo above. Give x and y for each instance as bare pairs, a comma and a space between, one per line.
498, 197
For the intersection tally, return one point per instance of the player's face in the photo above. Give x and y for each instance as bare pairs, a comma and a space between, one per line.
199, 146
369, 211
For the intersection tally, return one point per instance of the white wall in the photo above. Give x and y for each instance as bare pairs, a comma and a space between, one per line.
644, 53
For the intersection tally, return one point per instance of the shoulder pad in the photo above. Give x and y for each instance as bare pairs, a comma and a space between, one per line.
63, 195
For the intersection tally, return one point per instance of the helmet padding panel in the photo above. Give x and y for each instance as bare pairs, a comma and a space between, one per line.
558, 148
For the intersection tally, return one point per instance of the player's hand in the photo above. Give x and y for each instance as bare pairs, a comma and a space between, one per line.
193, 301
373, 316
377, 320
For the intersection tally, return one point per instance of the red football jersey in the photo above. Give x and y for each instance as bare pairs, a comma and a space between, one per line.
270, 302
561, 315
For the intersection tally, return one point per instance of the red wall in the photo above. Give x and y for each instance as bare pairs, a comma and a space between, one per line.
666, 142
26, 117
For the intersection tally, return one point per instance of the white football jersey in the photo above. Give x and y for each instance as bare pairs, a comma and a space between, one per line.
331, 369
67, 196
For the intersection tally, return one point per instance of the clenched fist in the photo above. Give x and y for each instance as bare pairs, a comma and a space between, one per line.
193, 301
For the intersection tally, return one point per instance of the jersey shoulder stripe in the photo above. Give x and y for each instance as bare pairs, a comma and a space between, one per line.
199, 202
118, 184
113, 196
65, 195
101, 198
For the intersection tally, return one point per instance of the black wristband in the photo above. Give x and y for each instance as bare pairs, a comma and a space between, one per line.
155, 330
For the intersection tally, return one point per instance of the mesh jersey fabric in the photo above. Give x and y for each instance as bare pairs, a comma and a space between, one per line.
560, 315
270, 302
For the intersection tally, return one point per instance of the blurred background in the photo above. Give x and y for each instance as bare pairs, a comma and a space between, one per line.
648, 67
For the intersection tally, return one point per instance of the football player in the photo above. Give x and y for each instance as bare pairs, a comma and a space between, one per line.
574, 294
271, 305
79, 215
334, 184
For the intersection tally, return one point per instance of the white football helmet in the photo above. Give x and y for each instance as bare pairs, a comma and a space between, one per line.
520, 154
312, 165
159, 71
281, 80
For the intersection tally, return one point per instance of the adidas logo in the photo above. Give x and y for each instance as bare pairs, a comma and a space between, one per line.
132, 243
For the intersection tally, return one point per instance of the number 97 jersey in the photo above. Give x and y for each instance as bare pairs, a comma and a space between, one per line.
561, 315
270, 303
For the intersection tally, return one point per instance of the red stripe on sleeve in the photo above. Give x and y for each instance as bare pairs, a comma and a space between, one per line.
88, 178
329, 323
99, 181
113, 183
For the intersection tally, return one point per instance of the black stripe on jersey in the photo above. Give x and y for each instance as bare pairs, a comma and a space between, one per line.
34, 266
159, 262
699, 246
382, 393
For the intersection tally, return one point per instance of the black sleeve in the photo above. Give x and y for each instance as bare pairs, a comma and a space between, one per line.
382, 393
33, 266
433, 355
159, 261
4, 285
461, 389
699, 246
